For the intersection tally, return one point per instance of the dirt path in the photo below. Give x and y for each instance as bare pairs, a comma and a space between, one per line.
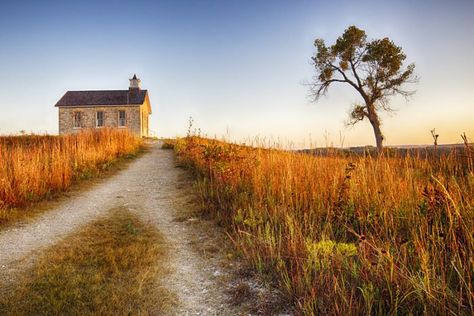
156, 190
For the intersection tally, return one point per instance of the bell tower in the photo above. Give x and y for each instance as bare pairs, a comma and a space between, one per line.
134, 83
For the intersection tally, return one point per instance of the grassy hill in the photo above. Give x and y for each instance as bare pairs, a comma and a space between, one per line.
346, 233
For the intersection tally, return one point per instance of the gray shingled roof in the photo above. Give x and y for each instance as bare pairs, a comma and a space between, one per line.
102, 97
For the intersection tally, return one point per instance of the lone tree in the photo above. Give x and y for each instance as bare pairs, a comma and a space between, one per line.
373, 68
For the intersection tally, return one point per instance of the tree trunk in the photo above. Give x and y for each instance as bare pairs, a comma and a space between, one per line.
374, 120
378, 137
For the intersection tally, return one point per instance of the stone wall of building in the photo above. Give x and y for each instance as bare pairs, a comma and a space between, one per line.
144, 119
133, 116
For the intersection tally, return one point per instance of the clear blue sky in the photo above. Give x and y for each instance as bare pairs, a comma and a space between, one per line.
237, 67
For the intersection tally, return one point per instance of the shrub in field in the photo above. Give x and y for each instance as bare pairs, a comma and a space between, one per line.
31, 166
168, 144
357, 235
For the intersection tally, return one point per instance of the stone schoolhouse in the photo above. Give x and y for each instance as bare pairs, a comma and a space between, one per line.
128, 109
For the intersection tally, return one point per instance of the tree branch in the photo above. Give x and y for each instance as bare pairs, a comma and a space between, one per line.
360, 90
321, 89
355, 73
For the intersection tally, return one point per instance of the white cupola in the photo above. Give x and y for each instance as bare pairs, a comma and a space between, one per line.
135, 82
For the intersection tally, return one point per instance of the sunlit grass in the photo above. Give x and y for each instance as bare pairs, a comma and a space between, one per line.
346, 235
33, 167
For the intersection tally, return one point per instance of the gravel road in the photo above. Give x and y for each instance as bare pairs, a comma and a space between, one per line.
155, 189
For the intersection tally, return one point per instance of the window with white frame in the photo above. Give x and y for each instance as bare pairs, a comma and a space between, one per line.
77, 121
99, 119
121, 118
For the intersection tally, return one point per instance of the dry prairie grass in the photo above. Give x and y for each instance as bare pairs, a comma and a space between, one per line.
357, 235
35, 167
111, 267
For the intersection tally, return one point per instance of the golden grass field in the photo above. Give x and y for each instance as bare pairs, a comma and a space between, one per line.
33, 167
346, 235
